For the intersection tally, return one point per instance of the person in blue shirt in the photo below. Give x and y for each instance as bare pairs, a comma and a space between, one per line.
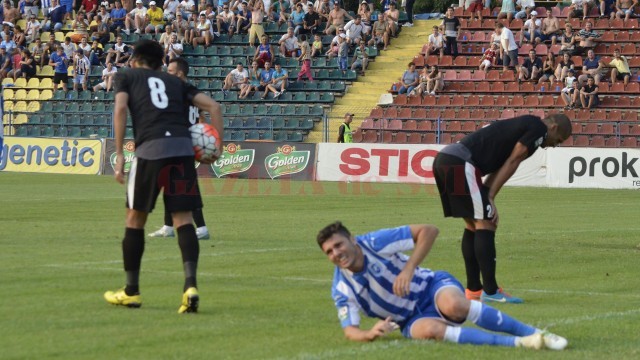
374, 276
118, 14
6, 63
59, 61
265, 78
591, 66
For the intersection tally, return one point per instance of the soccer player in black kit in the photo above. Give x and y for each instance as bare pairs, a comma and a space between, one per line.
496, 150
159, 107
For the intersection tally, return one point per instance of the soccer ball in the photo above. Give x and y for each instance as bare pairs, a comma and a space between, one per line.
205, 139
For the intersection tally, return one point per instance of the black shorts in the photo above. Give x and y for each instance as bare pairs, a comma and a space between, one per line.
620, 76
57, 77
462, 192
176, 177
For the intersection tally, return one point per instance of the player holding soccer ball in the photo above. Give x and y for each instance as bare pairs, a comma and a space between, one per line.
180, 68
159, 104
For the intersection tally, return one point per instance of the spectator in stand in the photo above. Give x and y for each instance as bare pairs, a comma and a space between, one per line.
226, 21
68, 6
288, 44
11, 13
264, 52
335, 19
280, 10
80, 28
488, 57
450, 26
19, 38
236, 79
360, 59
434, 80
530, 31
296, 19
173, 49
50, 47
508, 46
624, 8
279, 81
45, 6
323, 8
530, 69
344, 131
508, 10
589, 94
253, 82
257, 17
187, 8
550, 28
5, 62
436, 43
343, 53
27, 66
620, 66
118, 50
155, 19
101, 31
37, 50
32, 29
30, 8
59, 61
90, 7
266, 76
305, 58
380, 34
476, 8
568, 40
607, 9
571, 91
118, 16
104, 12
365, 15
524, 8
55, 19
409, 79
316, 46
68, 47
579, 8
564, 66
96, 53
548, 69
107, 78
84, 46
422, 83
202, 32
81, 68
591, 66
181, 28
169, 9
392, 15
243, 18
137, 18
588, 39
354, 31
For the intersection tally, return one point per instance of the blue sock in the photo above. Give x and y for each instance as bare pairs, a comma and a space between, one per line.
492, 319
477, 337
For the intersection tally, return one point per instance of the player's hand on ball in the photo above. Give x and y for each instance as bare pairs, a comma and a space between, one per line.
119, 168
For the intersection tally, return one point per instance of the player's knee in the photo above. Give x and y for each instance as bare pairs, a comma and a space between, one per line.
425, 329
453, 305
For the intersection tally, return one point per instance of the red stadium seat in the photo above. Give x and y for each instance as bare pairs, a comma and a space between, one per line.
454, 126
424, 125
446, 61
478, 75
492, 75
623, 129
522, 112
623, 102
634, 130
413, 100
628, 49
568, 142
616, 88
632, 23
472, 100
524, 49
405, 113
487, 101
443, 100
599, 115
632, 87
419, 61
531, 101
630, 142
463, 114
400, 138
512, 87
414, 138
527, 87
387, 137
576, 128
445, 138
614, 115
546, 101
581, 140
555, 49
464, 75
516, 24
461, 61
448, 114
457, 137
538, 112
478, 36
517, 101
429, 138
498, 87
433, 114
630, 115
420, 113
488, 23
601, 24
450, 75
400, 99
457, 100
432, 60
410, 125
477, 114
507, 114
370, 136
541, 49
394, 125
597, 141
474, 61
390, 113
502, 101
483, 87
616, 24
542, 12
556, 11
607, 129
469, 126
583, 114
429, 100
492, 114
590, 128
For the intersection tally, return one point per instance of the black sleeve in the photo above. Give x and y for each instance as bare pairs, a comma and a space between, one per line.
121, 82
535, 133
190, 92
341, 134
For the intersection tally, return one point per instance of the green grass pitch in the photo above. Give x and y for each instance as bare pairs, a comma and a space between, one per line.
265, 286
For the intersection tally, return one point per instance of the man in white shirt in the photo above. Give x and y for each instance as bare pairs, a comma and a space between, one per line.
436, 42
169, 9
236, 79
530, 31
355, 29
137, 18
288, 44
509, 47
32, 29
107, 78
174, 49
524, 8
187, 7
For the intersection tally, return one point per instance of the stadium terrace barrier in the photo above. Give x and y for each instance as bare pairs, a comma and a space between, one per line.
246, 160
52, 155
556, 167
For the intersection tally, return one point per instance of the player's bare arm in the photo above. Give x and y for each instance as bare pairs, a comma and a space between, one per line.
380, 329
119, 124
423, 236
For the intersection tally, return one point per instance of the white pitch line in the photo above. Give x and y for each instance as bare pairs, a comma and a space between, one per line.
356, 351
576, 293
581, 319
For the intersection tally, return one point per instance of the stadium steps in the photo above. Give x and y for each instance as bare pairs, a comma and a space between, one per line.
363, 95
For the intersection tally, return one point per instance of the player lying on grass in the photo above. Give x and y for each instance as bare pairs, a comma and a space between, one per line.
374, 276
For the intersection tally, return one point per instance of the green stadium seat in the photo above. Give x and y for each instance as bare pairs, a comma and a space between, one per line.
74, 131
246, 110
289, 110
99, 107
250, 123
237, 136
253, 135
72, 95
306, 124
213, 61
22, 131
46, 106
85, 95
280, 136
109, 96
72, 107
299, 97
103, 132
295, 136
327, 97
87, 131
129, 133
99, 95
48, 131
232, 110
34, 131
62, 131
85, 107
227, 136
264, 123
57, 119
316, 110
274, 110
278, 123
261, 109
210, 51
59, 95
291, 124
302, 110
75, 119
236, 123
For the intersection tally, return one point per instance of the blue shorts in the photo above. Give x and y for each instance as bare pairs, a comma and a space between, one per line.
68, 4
427, 308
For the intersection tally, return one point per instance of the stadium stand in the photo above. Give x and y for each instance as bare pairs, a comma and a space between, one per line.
472, 98
33, 108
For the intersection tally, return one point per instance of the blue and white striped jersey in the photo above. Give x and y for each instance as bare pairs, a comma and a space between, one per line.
371, 290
